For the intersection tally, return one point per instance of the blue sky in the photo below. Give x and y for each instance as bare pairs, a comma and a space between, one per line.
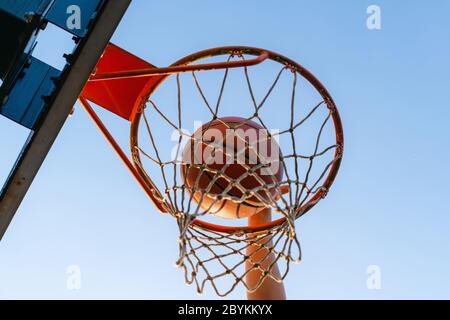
389, 206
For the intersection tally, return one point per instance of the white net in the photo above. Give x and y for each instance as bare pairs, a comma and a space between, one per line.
311, 149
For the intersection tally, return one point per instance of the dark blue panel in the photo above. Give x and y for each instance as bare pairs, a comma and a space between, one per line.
18, 8
62, 14
17, 32
25, 104
16, 38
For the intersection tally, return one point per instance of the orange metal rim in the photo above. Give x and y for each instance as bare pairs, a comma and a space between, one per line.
147, 92
176, 69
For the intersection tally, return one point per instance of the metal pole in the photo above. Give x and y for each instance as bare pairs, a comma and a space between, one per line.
42, 139
151, 191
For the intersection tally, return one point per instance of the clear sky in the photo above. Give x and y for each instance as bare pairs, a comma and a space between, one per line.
389, 207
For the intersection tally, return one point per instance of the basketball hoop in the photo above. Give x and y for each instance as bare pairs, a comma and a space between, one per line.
212, 252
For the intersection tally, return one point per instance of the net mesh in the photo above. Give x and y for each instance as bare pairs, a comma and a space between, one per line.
225, 259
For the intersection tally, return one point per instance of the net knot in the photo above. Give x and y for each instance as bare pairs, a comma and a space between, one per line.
290, 67
324, 192
237, 53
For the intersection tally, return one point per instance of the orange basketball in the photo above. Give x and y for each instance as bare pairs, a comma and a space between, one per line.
233, 167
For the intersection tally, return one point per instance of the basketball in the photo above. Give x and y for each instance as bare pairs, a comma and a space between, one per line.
231, 167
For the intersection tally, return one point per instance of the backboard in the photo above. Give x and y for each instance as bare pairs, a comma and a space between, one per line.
92, 24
